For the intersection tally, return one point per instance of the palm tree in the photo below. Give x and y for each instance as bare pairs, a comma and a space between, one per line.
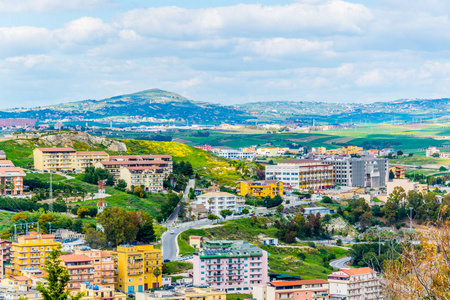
190, 211
2, 187
11, 187
210, 201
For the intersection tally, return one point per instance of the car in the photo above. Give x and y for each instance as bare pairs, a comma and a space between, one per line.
166, 260
172, 232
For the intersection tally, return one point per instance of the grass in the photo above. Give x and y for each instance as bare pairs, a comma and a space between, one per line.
176, 267
45, 177
184, 247
239, 296
5, 220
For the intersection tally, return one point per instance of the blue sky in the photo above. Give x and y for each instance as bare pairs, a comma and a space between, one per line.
227, 52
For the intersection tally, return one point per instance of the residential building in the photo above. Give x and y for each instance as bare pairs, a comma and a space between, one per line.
318, 210
355, 284
2, 155
431, 150
193, 293
95, 292
399, 171
11, 178
260, 188
269, 241
136, 266
348, 150
230, 266
359, 172
81, 269
271, 151
407, 185
296, 290
30, 251
66, 159
236, 154
167, 158
5, 256
104, 267
205, 147
150, 177
196, 241
303, 174
318, 150
217, 201
115, 166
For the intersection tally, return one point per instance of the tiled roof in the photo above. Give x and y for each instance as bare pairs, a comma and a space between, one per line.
57, 149
297, 282
92, 152
134, 162
74, 257
359, 271
299, 161
20, 278
9, 170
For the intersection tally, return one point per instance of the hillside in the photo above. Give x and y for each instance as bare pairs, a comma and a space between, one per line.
152, 105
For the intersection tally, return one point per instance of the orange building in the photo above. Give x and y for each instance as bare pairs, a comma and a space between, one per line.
399, 171
81, 269
104, 273
11, 178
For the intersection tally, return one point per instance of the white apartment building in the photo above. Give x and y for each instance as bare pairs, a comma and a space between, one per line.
271, 151
354, 284
235, 154
431, 150
218, 201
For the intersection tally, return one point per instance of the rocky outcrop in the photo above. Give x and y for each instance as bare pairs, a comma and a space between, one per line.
71, 139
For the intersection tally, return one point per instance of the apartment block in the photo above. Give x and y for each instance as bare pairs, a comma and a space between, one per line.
81, 269
260, 188
136, 266
5, 256
114, 167
104, 267
167, 158
151, 177
236, 154
217, 201
359, 172
295, 290
193, 293
303, 174
95, 292
30, 251
271, 151
354, 284
399, 171
11, 178
2, 155
230, 266
66, 159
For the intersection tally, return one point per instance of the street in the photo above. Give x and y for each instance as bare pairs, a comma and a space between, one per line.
340, 263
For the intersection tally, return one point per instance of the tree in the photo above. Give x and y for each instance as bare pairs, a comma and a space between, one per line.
210, 202
212, 217
399, 153
146, 233
280, 208
77, 225
19, 216
83, 212
390, 211
95, 238
117, 225
391, 175
442, 169
437, 155
190, 211
327, 199
121, 184
156, 272
245, 211
225, 213
365, 220
57, 279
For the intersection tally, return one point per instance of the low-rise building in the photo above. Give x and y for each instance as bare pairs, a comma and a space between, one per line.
317, 210
11, 178
204, 147
217, 201
260, 188
195, 241
81, 269
193, 293
297, 290
236, 154
407, 185
115, 166
66, 159
231, 266
95, 292
104, 267
2, 155
431, 150
89, 158
398, 171
355, 284
136, 267
271, 151
269, 241
150, 177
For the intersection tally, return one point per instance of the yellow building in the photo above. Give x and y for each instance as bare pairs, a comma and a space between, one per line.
260, 188
68, 159
150, 177
352, 149
136, 265
30, 251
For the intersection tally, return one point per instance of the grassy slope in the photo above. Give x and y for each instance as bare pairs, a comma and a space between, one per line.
281, 260
5, 220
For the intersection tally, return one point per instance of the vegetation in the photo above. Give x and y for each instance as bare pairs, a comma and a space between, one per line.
176, 267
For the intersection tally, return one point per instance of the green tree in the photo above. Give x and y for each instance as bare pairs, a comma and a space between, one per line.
95, 238
212, 217
77, 225
391, 175
245, 211
146, 233
390, 211
83, 212
437, 155
280, 208
225, 213
156, 272
121, 184
57, 279
442, 169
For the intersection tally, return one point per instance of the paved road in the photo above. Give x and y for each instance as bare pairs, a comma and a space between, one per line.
340, 263
174, 216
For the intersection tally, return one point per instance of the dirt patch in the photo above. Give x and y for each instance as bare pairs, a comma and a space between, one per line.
340, 140
181, 141
306, 139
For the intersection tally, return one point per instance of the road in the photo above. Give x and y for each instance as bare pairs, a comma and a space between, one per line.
174, 216
340, 263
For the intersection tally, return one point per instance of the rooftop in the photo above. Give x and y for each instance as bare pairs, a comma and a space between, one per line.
92, 152
217, 194
359, 271
133, 162
298, 282
11, 171
223, 248
57, 149
300, 161
75, 257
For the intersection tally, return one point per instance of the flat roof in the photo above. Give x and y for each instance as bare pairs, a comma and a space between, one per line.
133, 162
299, 161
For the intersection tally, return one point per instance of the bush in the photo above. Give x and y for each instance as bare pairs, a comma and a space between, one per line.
311, 244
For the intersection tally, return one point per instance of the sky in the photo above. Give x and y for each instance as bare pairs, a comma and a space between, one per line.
228, 52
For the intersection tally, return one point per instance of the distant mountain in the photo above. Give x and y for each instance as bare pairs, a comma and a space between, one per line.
157, 106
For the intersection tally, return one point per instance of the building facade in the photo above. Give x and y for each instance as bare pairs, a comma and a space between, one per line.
11, 178
136, 267
303, 174
355, 284
150, 177
294, 290
104, 267
5, 256
359, 172
81, 269
260, 188
236, 154
66, 159
30, 251
114, 167
231, 266
217, 201
193, 293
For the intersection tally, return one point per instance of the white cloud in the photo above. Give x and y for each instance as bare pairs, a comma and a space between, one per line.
42, 6
24, 40
282, 46
85, 30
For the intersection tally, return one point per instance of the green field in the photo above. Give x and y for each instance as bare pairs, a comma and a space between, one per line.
5, 220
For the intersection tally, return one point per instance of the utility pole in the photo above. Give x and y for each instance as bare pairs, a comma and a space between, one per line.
410, 219
379, 240
51, 194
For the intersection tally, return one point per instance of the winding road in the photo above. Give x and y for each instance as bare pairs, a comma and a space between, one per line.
340, 263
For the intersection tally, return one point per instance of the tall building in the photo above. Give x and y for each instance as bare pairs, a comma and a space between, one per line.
231, 266
217, 201
30, 251
359, 172
151, 177
136, 266
66, 159
104, 267
11, 178
298, 289
302, 174
5, 256
260, 188
354, 284
81, 269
